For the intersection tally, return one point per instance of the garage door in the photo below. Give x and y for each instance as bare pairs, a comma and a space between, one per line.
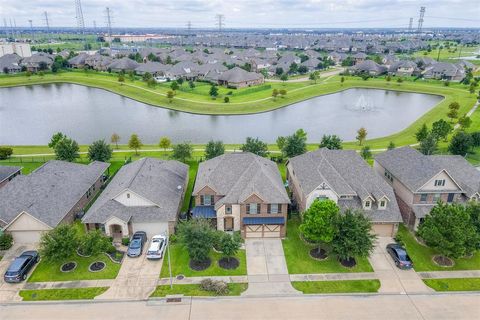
151, 229
262, 231
383, 230
26, 236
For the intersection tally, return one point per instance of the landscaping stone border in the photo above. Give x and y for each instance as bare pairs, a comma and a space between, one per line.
441, 265
90, 266
74, 267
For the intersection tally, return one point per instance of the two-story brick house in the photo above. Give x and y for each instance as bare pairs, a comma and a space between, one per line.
242, 192
420, 181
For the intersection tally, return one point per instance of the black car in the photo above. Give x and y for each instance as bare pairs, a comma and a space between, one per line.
20, 266
135, 248
399, 256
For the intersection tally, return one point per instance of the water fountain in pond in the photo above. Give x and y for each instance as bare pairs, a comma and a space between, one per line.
363, 104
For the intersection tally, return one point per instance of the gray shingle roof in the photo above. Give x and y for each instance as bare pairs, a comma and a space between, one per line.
123, 64
153, 179
236, 75
49, 192
238, 175
7, 171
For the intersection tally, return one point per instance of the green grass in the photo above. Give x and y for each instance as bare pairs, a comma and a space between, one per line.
422, 255
454, 284
62, 294
180, 264
235, 289
192, 174
344, 286
50, 271
299, 261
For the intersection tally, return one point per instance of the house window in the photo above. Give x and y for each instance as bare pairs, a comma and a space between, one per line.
128, 195
252, 208
423, 197
389, 176
367, 204
206, 200
436, 197
228, 209
273, 208
440, 183
383, 204
322, 198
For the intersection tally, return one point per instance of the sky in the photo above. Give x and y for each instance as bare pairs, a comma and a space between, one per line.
247, 13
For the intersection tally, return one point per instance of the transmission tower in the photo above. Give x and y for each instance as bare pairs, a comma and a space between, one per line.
420, 19
189, 26
410, 25
79, 16
31, 28
220, 21
12, 30
108, 17
95, 25
47, 23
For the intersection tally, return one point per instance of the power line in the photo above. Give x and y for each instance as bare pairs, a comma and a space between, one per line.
410, 25
220, 21
189, 26
420, 20
31, 28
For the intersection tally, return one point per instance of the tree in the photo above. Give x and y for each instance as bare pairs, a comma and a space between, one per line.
213, 91
391, 146
147, 76
255, 146
93, 243
318, 223
278, 71
5, 153
302, 69
296, 144
164, 143
180, 81
121, 77
174, 85
281, 142
366, 153
399, 80
214, 149
66, 149
135, 143
55, 138
464, 122
361, 135
170, 95
388, 78
342, 80
59, 243
283, 92
284, 77
226, 99
314, 76
473, 209
99, 151
293, 68
191, 84
332, 142
475, 138
275, 93
115, 138
448, 229
441, 129
454, 105
422, 133
229, 245
460, 144
182, 151
428, 145
196, 235
353, 237
452, 114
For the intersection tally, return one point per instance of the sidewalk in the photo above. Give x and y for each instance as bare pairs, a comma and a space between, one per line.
334, 276
449, 274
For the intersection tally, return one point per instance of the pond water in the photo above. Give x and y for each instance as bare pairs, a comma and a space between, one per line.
29, 115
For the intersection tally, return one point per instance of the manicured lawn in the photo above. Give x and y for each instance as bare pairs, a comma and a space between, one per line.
235, 289
461, 284
422, 255
50, 271
62, 294
337, 286
192, 174
299, 261
180, 264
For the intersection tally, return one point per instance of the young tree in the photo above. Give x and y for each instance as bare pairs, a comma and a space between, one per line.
283, 92
255, 146
332, 142
191, 84
296, 144
135, 143
214, 149
180, 81
115, 138
275, 93
55, 138
366, 153
314, 76
464, 122
428, 145
66, 149
213, 91
196, 235
454, 106
353, 237
170, 95
99, 151
174, 85
164, 143
319, 222
452, 114
5, 153
147, 76
229, 245
361, 135
284, 78
460, 144
422, 133
473, 209
226, 99
388, 78
448, 229
441, 129
59, 243
342, 80
391, 146
182, 151
121, 78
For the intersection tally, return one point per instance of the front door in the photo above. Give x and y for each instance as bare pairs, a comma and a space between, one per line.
229, 224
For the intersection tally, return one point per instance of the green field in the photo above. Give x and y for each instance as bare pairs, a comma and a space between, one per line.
454, 284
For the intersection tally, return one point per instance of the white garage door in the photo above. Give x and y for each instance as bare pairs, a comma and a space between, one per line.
151, 229
383, 230
262, 231
26, 236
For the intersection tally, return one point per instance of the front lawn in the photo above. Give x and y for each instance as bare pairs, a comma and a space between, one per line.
62, 294
235, 289
422, 255
460, 284
297, 255
343, 286
180, 264
50, 271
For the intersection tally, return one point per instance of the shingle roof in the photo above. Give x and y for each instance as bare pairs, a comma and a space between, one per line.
236, 75
7, 171
49, 192
152, 179
152, 67
123, 64
238, 175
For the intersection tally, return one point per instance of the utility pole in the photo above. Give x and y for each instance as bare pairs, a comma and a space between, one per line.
12, 30
79, 16
189, 26
220, 21
5, 26
420, 19
47, 23
410, 25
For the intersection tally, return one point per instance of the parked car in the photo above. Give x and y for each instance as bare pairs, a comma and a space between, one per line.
157, 247
20, 266
399, 256
135, 248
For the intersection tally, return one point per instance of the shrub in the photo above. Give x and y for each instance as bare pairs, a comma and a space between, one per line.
6, 241
220, 288
5, 152
173, 238
217, 239
126, 241
93, 243
226, 99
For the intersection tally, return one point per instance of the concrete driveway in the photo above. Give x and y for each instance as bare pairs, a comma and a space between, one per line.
266, 268
392, 279
9, 291
136, 280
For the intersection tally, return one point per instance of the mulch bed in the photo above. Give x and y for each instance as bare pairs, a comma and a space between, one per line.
97, 266
200, 265
318, 254
116, 256
443, 261
349, 263
69, 266
229, 263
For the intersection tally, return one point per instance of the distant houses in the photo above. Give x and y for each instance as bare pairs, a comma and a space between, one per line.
7, 173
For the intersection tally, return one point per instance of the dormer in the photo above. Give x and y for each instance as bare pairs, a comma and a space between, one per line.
383, 203
367, 203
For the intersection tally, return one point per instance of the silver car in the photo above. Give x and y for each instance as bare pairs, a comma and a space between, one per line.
157, 247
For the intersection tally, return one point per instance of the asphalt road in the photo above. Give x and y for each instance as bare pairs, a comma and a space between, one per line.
392, 307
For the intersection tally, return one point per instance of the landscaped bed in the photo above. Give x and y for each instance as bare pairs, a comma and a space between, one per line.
343, 286
460, 284
62, 294
299, 261
180, 264
422, 256
235, 289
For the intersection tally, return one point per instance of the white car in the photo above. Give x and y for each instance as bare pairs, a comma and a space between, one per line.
160, 79
157, 247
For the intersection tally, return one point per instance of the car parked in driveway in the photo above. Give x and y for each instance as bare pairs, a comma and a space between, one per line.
20, 266
135, 248
157, 247
399, 256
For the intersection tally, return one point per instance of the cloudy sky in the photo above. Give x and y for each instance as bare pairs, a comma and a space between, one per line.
247, 13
